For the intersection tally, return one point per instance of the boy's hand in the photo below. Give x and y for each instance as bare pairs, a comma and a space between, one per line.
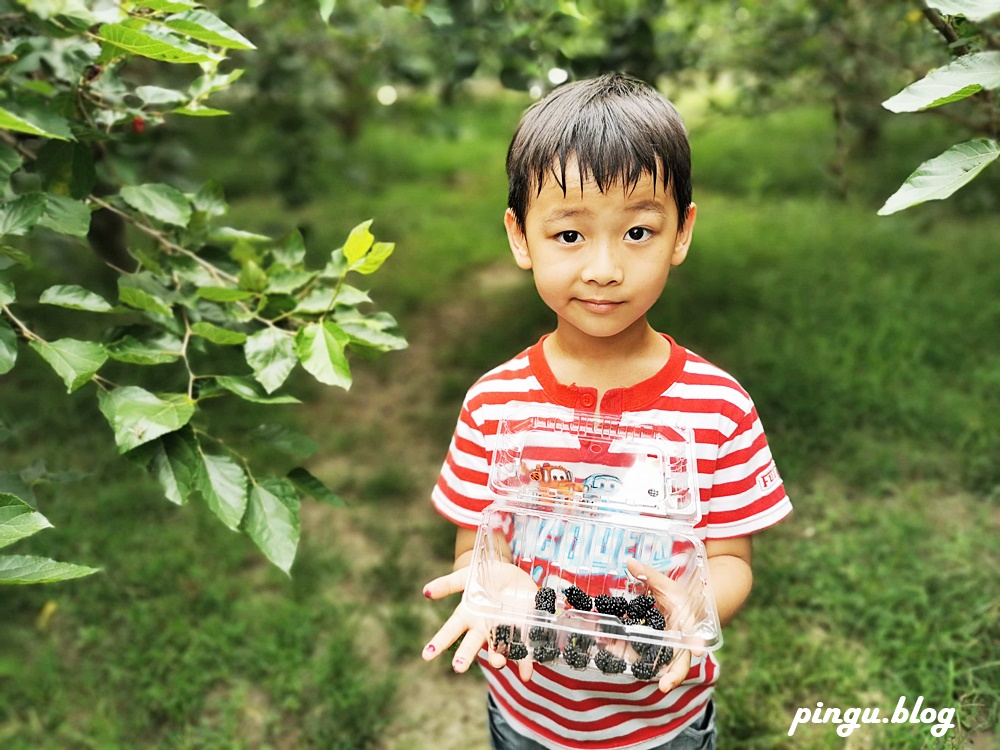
676, 605
511, 582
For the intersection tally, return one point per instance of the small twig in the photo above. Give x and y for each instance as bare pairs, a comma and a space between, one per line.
25, 331
944, 28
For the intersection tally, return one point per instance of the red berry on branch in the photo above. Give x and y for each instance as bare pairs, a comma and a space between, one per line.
138, 125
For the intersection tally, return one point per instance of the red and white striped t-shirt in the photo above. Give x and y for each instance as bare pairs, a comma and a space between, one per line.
740, 491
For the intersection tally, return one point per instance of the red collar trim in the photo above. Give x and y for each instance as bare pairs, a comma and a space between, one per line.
616, 400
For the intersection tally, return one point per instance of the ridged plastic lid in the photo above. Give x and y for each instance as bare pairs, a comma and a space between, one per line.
596, 463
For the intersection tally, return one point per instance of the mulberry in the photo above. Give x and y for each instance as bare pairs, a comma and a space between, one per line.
577, 598
545, 652
644, 669
609, 663
665, 657
575, 657
611, 605
517, 651
540, 634
501, 635
655, 620
638, 607
545, 600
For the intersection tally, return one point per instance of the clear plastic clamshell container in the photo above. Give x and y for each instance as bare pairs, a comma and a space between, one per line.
575, 497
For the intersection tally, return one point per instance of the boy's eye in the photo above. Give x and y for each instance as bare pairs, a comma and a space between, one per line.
569, 236
638, 233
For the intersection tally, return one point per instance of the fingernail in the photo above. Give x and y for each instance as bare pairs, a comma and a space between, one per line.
427, 592
642, 577
429, 648
457, 663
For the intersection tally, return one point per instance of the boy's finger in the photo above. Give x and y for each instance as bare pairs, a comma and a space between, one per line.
452, 583
525, 667
466, 653
450, 632
675, 673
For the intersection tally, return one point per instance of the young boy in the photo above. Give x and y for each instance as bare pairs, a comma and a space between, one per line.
600, 210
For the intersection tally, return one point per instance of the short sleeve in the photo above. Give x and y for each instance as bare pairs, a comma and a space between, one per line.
748, 494
461, 492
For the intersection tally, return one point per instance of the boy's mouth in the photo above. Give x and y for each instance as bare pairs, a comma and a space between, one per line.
599, 305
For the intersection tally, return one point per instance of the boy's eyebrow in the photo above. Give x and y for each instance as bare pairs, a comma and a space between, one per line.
565, 213
644, 206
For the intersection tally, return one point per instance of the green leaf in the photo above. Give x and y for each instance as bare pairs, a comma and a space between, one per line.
46, 9
974, 10
175, 464
326, 8
142, 293
288, 441
210, 200
358, 242
249, 390
216, 334
66, 216
200, 111
223, 294
319, 301
169, 6
272, 521
67, 168
208, 28
290, 250
372, 330
941, 176
155, 350
271, 355
943, 85
253, 277
157, 95
162, 202
22, 569
21, 214
7, 292
8, 348
286, 282
320, 348
14, 255
74, 361
18, 520
10, 162
152, 44
310, 485
375, 258
223, 484
75, 298
138, 416
230, 236
11, 121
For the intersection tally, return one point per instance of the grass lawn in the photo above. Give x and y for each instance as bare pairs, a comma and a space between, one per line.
869, 345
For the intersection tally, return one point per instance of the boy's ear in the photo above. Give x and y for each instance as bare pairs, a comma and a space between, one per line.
684, 236
517, 240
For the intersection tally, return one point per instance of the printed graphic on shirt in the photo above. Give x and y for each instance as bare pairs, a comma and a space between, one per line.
768, 479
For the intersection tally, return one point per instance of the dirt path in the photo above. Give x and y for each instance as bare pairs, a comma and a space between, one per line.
434, 707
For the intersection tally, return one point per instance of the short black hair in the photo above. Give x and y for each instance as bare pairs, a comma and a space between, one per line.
615, 126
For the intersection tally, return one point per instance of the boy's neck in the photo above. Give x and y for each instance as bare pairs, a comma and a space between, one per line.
604, 363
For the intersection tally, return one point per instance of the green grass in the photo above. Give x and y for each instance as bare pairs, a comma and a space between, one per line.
869, 345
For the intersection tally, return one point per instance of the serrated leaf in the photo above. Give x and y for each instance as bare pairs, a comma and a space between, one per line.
373, 332
66, 216
286, 282
252, 277
210, 200
249, 390
74, 361
271, 355
142, 292
319, 301
138, 416
157, 95
176, 463
216, 334
272, 521
8, 348
155, 350
208, 28
223, 484
18, 520
20, 215
358, 242
162, 202
290, 250
941, 176
200, 111
375, 258
974, 10
12, 255
320, 348
7, 292
310, 485
25, 569
943, 85
223, 294
151, 44
11, 121
288, 441
74, 297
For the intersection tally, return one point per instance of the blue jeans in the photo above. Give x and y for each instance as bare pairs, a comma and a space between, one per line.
697, 736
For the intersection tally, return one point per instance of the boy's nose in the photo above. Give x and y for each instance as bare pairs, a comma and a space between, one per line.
603, 265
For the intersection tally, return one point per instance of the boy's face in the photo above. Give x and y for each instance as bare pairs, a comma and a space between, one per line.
600, 260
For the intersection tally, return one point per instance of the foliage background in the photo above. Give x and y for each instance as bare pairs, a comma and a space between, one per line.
869, 345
